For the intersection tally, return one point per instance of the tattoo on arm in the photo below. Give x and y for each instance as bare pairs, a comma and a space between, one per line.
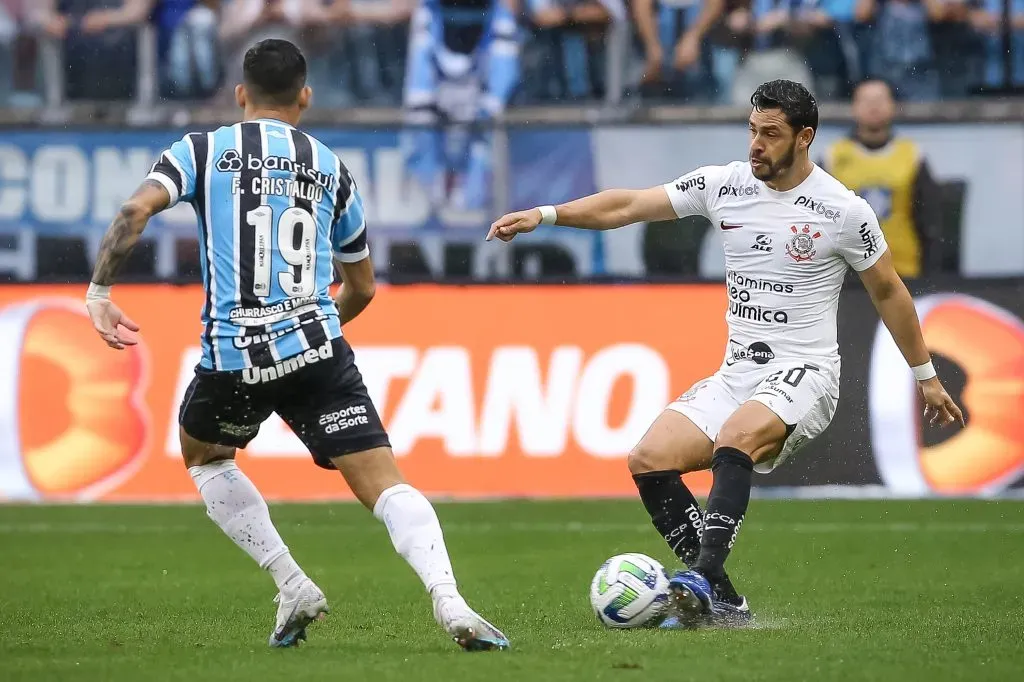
123, 234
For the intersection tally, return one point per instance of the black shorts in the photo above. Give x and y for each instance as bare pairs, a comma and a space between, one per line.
319, 394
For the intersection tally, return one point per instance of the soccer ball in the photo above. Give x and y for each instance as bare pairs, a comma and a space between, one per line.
630, 591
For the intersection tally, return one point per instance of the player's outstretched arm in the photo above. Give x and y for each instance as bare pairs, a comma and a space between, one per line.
121, 237
605, 210
895, 306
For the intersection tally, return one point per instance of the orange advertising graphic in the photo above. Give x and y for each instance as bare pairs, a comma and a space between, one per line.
485, 391
987, 342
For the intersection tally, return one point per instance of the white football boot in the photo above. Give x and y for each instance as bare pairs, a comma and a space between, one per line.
467, 627
295, 612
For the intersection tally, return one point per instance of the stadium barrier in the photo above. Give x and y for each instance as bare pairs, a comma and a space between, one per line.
503, 392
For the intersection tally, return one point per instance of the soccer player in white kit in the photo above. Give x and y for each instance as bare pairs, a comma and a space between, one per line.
790, 232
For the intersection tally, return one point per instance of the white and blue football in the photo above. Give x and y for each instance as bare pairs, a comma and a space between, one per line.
630, 591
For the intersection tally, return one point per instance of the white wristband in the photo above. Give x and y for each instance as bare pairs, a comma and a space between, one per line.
548, 215
924, 372
97, 292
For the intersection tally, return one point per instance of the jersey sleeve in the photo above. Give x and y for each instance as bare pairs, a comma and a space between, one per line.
176, 171
348, 234
861, 241
691, 194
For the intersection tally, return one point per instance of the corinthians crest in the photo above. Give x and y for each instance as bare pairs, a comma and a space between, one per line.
801, 245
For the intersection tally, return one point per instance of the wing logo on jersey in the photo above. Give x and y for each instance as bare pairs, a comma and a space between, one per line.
229, 162
801, 245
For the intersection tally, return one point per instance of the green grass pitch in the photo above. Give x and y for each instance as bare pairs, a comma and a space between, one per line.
843, 590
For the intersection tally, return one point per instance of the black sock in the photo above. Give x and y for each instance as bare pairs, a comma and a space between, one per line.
727, 504
674, 511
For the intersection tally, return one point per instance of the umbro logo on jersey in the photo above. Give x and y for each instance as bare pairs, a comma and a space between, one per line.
730, 227
691, 182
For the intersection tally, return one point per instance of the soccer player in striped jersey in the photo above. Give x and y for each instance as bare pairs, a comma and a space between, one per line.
276, 211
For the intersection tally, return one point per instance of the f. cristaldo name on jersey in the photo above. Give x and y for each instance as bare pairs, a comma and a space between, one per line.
289, 307
283, 187
786, 254
260, 375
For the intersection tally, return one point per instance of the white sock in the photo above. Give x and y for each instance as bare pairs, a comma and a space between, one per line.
416, 534
234, 504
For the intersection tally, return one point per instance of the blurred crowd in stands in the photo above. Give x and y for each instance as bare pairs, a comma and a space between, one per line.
384, 52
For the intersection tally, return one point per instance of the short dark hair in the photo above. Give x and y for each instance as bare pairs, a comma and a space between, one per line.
874, 79
792, 99
274, 72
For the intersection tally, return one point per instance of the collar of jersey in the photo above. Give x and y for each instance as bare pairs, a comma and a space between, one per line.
777, 193
272, 120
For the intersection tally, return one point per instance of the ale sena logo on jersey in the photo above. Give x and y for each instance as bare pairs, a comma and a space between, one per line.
801, 245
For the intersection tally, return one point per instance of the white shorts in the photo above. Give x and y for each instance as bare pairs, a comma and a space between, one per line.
803, 394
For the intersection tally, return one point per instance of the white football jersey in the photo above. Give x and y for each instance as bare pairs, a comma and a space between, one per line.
786, 256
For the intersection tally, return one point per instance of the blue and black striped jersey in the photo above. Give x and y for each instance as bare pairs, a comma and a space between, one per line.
274, 207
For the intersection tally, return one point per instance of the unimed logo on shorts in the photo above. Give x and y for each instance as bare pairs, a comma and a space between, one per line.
259, 375
511, 397
72, 421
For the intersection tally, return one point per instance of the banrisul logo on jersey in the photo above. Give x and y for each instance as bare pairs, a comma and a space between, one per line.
801, 245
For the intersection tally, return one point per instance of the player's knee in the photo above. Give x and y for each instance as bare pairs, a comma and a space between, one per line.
644, 459
196, 453
740, 437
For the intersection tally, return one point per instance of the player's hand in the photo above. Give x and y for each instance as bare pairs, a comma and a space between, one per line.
939, 407
509, 225
110, 323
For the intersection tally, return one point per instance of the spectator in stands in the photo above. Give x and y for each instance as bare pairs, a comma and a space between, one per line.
463, 65
9, 19
987, 20
245, 22
96, 66
899, 46
891, 174
357, 50
186, 40
730, 39
673, 33
956, 46
816, 28
569, 41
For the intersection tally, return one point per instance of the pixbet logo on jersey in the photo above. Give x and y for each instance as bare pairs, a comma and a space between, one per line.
801, 245
744, 191
818, 207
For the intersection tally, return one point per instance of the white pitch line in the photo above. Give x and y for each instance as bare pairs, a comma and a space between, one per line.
520, 527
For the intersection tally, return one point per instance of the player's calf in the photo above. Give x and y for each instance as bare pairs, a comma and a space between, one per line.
752, 433
671, 446
416, 535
